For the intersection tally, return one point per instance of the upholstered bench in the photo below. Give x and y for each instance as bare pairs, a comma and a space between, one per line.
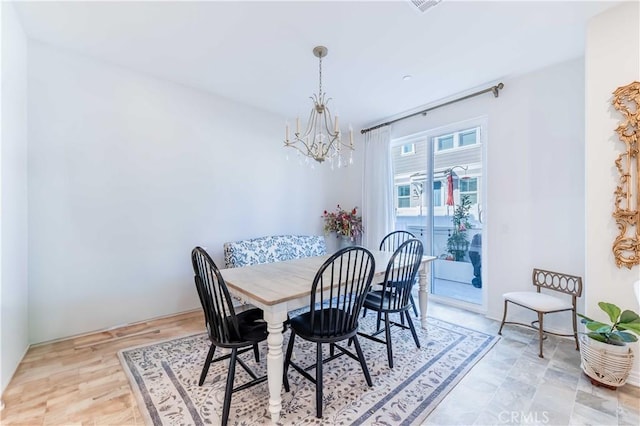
544, 303
272, 249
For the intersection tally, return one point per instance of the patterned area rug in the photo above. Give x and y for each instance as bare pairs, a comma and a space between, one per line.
164, 377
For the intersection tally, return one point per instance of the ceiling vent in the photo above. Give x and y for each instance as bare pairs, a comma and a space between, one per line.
424, 5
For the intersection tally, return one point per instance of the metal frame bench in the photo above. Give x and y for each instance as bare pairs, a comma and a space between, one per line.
543, 303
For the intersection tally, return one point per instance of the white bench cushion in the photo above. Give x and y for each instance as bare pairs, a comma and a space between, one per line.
537, 301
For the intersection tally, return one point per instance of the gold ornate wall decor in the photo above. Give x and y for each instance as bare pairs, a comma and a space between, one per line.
626, 246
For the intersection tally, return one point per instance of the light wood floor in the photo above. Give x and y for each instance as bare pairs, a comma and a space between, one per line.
80, 380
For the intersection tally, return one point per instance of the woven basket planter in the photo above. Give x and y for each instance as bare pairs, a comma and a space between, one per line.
607, 364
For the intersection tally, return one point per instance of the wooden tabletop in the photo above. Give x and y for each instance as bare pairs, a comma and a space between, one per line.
279, 282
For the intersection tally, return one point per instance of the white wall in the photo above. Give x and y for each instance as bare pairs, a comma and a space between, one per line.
612, 60
344, 186
127, 174
534, 211
13, 200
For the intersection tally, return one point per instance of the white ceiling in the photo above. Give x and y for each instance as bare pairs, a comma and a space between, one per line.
259, 53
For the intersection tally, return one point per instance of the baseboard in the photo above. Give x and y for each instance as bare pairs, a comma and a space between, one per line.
11, 379
114, 327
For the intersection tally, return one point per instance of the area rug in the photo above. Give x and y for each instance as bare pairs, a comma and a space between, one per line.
164, 376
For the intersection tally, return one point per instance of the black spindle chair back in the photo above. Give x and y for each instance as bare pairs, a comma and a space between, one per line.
336, 312
220, 317
401, 273
392, 241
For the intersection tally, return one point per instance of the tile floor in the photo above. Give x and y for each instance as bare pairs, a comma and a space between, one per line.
511, 385
457, 290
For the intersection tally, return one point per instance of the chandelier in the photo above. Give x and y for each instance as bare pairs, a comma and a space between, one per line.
322, 139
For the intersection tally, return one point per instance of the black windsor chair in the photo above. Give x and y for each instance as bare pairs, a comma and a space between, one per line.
391, 242
239, 332
394, 298
337, 294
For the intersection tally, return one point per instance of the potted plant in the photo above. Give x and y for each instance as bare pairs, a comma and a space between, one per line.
458, 243
606, 358
346, 224
454, 266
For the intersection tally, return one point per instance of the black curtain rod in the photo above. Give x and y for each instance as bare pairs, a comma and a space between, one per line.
494, 89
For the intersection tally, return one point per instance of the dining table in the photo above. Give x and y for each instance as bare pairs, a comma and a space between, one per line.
280, 287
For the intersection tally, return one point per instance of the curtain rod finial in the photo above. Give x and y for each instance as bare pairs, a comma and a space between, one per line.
496, 88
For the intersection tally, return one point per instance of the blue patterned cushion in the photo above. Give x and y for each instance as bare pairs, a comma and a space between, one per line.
272, 249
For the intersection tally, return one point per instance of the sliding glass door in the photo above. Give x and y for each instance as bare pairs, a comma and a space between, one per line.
438, 181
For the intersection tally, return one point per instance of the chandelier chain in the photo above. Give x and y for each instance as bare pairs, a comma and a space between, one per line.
320, 74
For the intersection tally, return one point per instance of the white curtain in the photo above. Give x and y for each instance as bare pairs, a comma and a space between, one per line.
377, 205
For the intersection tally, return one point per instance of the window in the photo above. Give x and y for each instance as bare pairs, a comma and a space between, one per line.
445, 142
457, 140
437, 193
469, 187
468, 138
408, 149
404, 196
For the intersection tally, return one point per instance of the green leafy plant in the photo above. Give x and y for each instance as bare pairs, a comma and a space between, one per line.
457, 243
624, 324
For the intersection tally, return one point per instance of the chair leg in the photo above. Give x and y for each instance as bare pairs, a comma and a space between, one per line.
229, 388
504, 317
378, 321
413, 329
413, 303
540, 332
364, 312
319, 381
207, 363
256, 352
387, 333
287, 361
363, 363
575, 330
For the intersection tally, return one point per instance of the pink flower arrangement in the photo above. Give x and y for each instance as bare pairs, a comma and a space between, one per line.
342, 222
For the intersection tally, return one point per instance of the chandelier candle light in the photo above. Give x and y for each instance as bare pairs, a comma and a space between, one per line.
321, 140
